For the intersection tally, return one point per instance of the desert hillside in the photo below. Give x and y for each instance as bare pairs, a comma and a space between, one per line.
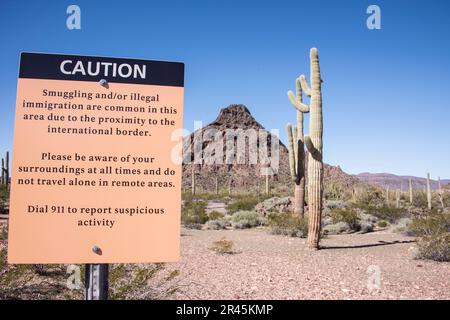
247, 176
393, 181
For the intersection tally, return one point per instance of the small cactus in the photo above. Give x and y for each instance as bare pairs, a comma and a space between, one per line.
5, 170
387, 196
410, 192
354, 195
428, 191
441, 198
397, 198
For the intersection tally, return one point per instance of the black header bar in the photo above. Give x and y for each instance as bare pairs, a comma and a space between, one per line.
86, 68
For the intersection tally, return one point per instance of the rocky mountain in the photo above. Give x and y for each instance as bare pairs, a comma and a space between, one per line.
397, 182
244, 174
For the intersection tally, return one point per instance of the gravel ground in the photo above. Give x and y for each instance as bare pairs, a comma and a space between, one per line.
274, 267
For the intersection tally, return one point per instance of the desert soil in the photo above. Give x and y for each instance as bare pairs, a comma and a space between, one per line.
266, 266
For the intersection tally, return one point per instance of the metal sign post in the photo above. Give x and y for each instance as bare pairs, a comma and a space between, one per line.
96, 281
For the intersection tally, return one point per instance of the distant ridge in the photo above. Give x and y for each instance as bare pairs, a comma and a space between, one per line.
396, 182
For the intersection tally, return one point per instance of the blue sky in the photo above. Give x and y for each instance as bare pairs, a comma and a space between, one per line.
386, 92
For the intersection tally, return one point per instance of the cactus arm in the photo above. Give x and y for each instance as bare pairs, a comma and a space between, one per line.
295, 137
298, 87
312, 149
305, 86
291, 151
297, 104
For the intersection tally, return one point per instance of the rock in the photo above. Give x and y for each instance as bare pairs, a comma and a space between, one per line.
366, 226
401, 225
274, 205
245, 176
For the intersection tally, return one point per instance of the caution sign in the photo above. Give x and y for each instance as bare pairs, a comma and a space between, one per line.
96, 173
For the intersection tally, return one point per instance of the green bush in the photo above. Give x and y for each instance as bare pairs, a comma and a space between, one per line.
246, 203
420, 199
214, 215
223, 246
218, 224
247, 219
336, 228
193, 212
434, 236
349, 216
382, 224
369, 196
429, 225
389, 214
288, 224
435, 247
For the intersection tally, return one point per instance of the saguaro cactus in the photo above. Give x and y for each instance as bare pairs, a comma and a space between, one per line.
193, 186
428, 191
3, 172
6, 170
441, 198
387, 196
410, 192
297, 150
397, 198
314, 145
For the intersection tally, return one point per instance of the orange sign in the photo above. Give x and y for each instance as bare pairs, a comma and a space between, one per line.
93, 177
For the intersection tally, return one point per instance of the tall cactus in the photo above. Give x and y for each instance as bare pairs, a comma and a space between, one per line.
387, 196
314, 145
7, 170
193, 186
428, 191
354, 195
397, 199
3, 172
297, 149
410, 192
441, 198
